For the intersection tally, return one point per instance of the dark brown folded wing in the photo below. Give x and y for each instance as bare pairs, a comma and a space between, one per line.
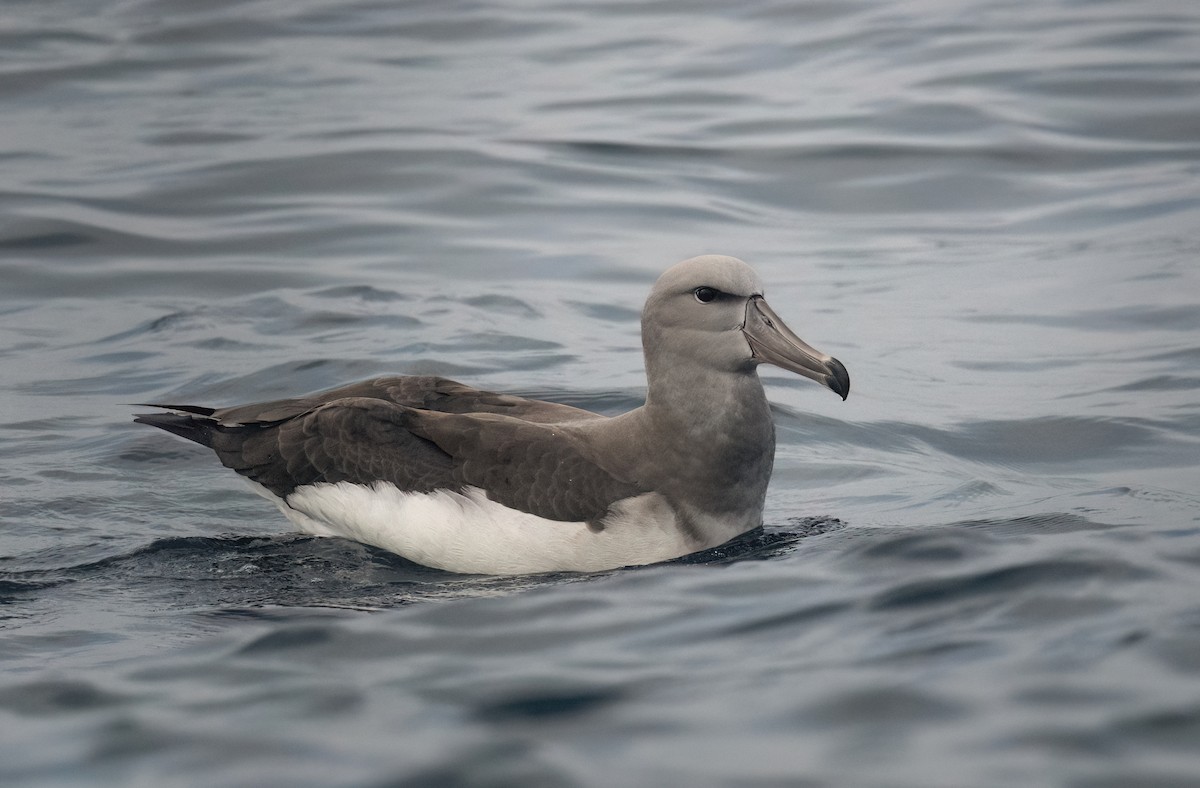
425, 392
356, 440
543, 469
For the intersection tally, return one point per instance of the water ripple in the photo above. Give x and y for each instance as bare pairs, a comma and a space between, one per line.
978, 570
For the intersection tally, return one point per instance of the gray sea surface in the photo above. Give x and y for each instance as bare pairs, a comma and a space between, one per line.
983, 569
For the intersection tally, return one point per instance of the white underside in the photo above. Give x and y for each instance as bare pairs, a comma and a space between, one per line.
466, 532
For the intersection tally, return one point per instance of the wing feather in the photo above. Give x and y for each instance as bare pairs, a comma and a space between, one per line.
420, 434
424, 392
545, 469
352, 440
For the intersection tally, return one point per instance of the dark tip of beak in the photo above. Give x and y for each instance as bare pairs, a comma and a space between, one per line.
839, 379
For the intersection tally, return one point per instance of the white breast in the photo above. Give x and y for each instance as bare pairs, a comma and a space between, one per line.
466, 532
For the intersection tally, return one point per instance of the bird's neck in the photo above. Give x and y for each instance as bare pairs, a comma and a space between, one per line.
710, 445
716, 423
694, 399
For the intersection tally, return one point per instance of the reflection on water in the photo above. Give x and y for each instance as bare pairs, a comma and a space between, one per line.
980, 569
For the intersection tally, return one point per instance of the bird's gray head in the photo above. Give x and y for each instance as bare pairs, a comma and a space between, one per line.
709, 312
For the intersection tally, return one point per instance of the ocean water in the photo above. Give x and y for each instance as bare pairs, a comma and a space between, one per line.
983, 569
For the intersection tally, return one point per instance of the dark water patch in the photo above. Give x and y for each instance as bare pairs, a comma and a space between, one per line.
882, 706
1067, 742
1050, 440
505, 762
1171, 729
492, 341
1058, 694
792, 426
572, 55
825, 472
1066, 441
313, 702
944, 545
286, 319
154, 454
75, 240
60, 424
1186, 556
327, 325
257, 184
1178, 650
180, 749
120, 357
1159, 383
791, 621
180, 321
175, 138
56, 697
30, 279
247, 570
279, 380
1042, 523
925, 654
475, 24
607, 312
996, 583
94, 384
672, 98
19, 646
69, 475
546, 705
627, 150
15, 309
92, 78
1190, 355
1046, 609
1122, 777
1041, 365
301, 637
973, 490
224, 345
918, 163
508, 304
1143, 317
45, 240
362, 293
45, 40
12, 591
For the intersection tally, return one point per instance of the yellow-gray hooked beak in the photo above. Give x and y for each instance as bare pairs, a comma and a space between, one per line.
772, 342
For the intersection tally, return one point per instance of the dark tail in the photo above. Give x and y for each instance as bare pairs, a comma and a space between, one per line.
196, 427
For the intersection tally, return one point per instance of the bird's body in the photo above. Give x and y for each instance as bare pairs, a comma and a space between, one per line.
473, 481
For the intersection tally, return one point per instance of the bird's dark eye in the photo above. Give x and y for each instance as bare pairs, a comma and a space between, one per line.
705, 295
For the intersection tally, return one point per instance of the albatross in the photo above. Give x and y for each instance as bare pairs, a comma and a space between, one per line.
478, 482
